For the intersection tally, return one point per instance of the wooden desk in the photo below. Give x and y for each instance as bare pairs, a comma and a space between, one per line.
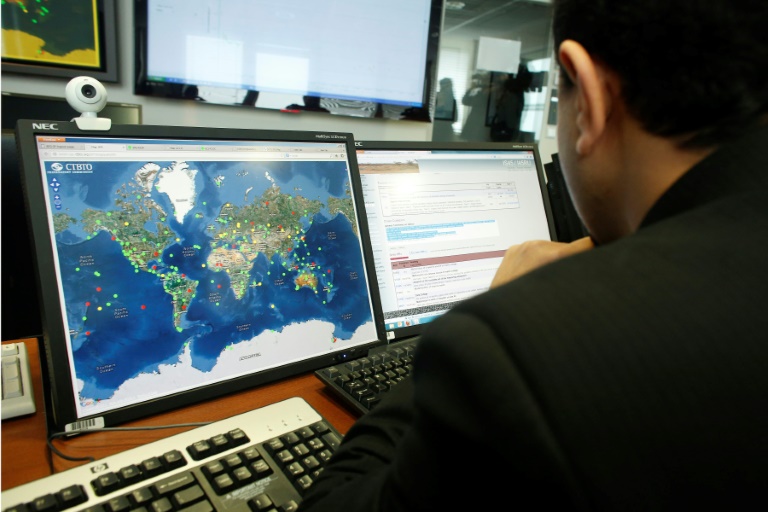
25, 456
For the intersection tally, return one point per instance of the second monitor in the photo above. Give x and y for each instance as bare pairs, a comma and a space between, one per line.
441, 216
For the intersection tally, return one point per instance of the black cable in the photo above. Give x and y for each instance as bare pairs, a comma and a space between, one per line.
54, 450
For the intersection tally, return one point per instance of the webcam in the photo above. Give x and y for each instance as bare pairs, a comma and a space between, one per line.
88, 96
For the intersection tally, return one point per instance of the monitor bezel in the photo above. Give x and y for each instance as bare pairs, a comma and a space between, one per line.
379, 145
60, 397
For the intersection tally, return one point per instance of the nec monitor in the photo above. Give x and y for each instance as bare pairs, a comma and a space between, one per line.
441, 216
177, 264
29, 106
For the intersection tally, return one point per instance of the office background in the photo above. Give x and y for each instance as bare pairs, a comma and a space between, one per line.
465, 23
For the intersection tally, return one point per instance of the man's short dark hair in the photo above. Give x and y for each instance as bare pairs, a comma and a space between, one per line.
697, 69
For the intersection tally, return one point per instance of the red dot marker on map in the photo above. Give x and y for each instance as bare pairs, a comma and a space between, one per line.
143, 306
87, 304
98, 288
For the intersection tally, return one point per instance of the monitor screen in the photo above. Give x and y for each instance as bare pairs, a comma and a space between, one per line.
441, 216
60, 39
180, 263
356, 58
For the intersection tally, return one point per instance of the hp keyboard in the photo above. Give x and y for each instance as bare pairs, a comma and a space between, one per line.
262, 460
362, 383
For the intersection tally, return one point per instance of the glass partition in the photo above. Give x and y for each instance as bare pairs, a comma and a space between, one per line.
493, 70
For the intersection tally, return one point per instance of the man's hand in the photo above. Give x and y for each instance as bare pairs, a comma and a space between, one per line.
521, 259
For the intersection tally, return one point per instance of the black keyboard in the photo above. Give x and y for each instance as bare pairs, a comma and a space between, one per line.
264, 459
362, 382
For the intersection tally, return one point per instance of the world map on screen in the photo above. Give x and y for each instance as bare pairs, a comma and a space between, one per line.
174, 273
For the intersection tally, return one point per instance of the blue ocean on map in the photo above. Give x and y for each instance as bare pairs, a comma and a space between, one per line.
122, 319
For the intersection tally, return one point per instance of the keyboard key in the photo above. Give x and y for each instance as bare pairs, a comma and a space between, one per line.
188, 496
174, 483
200, 450
130, 474
119, 504
162, 505
370, 401
261, 469
260, 502
45, 503
332, 440
141, 496
289, 506
173, 459
105, 484
200, 506
72, 495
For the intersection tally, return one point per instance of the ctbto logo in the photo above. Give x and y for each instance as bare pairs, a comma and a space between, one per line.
56, 166
79, 167
45, 126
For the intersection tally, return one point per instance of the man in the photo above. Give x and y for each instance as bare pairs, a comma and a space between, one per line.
628, 376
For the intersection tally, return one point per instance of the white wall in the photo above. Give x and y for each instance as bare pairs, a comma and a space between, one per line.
187, 113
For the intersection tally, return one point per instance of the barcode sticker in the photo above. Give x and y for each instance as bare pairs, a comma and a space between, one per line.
89, 424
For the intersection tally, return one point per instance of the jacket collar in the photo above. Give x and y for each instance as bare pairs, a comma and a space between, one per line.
738, 166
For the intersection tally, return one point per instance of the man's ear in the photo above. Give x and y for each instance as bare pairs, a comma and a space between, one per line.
593, 99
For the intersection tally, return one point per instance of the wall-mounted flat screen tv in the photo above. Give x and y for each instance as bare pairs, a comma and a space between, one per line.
360, 58
60, 38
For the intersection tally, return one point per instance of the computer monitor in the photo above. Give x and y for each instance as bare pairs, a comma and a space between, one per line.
19, 303
441, 216
177, 263
17, 106
567, 221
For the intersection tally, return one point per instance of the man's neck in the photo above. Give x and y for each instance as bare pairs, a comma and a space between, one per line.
652, 164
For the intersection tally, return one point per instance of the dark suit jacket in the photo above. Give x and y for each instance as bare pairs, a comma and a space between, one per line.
630, 377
